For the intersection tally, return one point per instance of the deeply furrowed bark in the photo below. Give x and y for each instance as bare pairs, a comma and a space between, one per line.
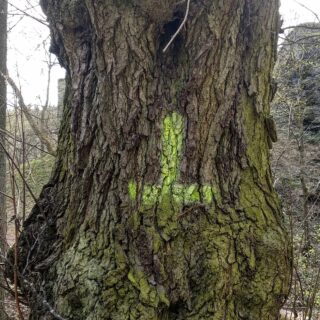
161, 204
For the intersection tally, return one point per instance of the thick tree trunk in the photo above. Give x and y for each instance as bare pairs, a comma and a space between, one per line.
3, 107
161, 204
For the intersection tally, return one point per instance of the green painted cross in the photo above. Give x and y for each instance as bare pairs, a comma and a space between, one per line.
172, 138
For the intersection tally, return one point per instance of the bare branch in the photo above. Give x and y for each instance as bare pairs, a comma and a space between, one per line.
24, 12
307, 8
42, 135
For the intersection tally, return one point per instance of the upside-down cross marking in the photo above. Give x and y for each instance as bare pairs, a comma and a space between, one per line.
172, 140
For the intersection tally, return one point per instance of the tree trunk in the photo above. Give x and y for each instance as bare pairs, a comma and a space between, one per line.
161, 203
3, 107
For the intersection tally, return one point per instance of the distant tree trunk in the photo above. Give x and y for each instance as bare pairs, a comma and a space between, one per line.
3, 107
161, 204
61, 92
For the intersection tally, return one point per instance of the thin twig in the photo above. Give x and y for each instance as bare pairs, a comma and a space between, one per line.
23, 167
28, 15
310, 10
20, 174
6, 195
301, 27
15, 267
5, 132
42, 135
180, 27
312, 299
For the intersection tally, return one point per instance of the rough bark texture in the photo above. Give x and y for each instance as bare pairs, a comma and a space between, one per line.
161, 204
3, 107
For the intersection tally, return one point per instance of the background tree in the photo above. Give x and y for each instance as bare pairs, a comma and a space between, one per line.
3, 105
297, 106
296, 109
161, 204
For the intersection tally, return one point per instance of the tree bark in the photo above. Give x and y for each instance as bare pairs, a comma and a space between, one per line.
161, 204
3, 108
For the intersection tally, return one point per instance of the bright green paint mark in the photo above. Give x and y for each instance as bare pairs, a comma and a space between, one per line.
168, 189
172, 145
132, 190
168, 196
